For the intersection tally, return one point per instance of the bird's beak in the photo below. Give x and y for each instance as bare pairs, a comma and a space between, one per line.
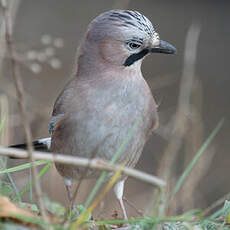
163, 47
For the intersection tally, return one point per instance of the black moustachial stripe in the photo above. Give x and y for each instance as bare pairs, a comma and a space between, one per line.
135, 57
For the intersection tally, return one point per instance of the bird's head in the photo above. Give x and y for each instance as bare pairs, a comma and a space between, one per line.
125, 37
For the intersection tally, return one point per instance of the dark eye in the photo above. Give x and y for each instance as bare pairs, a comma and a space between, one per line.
134, 46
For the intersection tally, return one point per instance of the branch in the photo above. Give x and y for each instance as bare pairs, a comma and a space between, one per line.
84, 162
20, 94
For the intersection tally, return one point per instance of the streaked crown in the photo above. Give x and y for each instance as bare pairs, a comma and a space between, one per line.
124, 22
122, 38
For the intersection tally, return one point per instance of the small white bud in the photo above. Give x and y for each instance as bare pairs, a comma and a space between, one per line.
41, 57
58, 42
46, 39
35, 68
31, 55
55, 63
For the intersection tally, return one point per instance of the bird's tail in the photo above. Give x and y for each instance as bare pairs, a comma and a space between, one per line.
40, 144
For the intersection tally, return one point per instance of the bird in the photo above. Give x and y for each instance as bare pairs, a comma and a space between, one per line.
95, 111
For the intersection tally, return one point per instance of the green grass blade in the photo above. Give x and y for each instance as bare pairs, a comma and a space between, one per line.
125, 142
2, 162
195, 159
41, 173
217, 213
96, 188
10, 178
31, 187
113, 160
22, 167
151, 220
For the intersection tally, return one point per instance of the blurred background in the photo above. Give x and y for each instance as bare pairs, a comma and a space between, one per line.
46, 35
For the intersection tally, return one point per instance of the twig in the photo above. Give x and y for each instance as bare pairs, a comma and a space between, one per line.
216, 204
84, 162
184, 99
20, 94
13, 7
180, 124
193, 140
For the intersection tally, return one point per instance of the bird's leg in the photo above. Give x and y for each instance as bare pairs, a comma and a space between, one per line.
118, 190
69, 193
68, 185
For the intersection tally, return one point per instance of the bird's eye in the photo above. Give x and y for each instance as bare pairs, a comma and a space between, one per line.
133, 45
